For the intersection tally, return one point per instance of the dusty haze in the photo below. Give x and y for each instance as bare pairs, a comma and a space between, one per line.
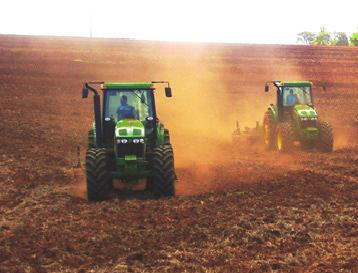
266, 211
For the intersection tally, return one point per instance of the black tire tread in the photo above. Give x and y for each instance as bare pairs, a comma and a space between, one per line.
287, 132
325, 141
98, 179
162, 181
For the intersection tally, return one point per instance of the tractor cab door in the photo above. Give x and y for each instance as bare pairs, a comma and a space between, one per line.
284, 110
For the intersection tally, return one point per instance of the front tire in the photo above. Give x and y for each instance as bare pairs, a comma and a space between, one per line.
162, 181
325, 140
284, 137
98, 179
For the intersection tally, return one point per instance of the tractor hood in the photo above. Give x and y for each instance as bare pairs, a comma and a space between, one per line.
129, 128
305, 111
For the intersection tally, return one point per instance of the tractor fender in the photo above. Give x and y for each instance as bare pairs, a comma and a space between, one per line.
274, 110
93, 131
160, 133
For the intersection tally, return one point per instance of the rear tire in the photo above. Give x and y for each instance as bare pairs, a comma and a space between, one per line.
284, 137
162, 181
269, 130
98, 179
325, 140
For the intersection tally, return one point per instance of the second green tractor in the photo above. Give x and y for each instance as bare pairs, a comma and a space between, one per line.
293, 119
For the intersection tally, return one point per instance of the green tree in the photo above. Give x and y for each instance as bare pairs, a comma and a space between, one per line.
306, 37
354, 39
323, 37
340, 39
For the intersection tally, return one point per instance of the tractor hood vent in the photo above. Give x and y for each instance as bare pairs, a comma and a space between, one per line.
129, 128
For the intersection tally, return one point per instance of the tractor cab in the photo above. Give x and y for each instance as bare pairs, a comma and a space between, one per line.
123, 104
292, 95
128, 112
293, 98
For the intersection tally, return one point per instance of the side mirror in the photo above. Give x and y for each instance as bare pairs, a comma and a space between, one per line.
168, 92
267, 87
84, 92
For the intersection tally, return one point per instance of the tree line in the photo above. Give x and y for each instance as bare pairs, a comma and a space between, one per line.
323, 37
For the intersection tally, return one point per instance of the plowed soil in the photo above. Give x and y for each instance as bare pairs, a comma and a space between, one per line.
239, 208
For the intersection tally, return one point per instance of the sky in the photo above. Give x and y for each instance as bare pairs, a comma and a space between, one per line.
250, 21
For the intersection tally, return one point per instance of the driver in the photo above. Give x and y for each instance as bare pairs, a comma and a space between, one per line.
125, 111
291, 98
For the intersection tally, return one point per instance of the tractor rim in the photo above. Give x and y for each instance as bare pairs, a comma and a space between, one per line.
279, 141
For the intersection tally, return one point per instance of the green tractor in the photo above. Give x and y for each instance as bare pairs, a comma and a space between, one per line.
294, 120
127, 142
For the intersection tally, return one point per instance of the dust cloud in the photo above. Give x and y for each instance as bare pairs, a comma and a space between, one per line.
202, 114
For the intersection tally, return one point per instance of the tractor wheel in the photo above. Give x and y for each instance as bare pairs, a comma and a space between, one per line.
284, 137
162, 181
91, 142
269, 130
325, 140
98, 179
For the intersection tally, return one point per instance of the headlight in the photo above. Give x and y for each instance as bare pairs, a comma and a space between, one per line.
135, 140
304, 118
141, 140
124, 140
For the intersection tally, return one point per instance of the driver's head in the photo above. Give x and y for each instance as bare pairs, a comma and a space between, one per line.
291, 91
124, 100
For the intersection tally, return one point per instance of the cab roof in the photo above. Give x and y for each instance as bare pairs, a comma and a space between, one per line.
293, 84
127, 85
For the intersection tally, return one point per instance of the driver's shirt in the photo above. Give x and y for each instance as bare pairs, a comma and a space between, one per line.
125, 111
291, 100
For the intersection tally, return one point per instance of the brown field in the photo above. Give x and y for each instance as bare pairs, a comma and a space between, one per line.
239, 209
